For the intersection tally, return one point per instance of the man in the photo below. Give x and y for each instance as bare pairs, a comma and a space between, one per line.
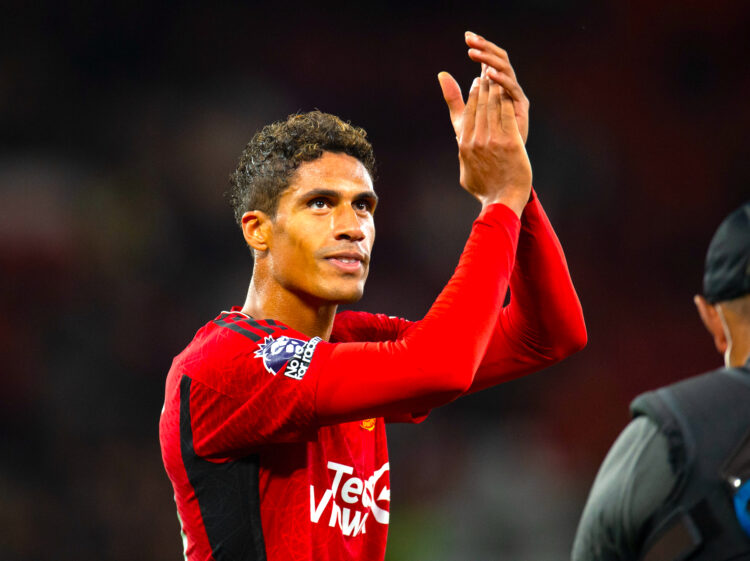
676, 483
273, 428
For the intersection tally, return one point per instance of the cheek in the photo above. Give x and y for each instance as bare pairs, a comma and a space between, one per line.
369, 230
291, 256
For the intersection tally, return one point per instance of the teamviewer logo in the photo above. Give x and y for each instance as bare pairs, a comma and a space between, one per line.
349, 500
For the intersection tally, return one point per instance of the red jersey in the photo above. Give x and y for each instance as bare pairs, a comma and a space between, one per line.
275, 442
242, 448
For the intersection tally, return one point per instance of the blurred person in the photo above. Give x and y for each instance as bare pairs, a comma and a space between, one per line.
273, 427
676, 482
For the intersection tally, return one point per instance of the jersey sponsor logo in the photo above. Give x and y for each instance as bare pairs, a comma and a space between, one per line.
368, 424
295, 354
349, 501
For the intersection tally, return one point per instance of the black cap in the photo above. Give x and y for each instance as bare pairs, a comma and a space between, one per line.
727, 274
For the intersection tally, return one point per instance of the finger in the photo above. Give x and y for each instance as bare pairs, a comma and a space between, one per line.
494, 119
509, 84
487, 52
480, 43
453, 98
481, 122
508, 114
499, 70
472, 38
491, 59
470, 109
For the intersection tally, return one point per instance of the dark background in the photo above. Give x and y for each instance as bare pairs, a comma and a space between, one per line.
119, 125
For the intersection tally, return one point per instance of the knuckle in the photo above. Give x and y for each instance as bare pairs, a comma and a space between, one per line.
506, 143
494, 142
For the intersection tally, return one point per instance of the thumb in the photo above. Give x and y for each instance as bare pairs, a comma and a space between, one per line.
453, 98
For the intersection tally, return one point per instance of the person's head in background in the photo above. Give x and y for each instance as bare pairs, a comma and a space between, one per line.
724, 305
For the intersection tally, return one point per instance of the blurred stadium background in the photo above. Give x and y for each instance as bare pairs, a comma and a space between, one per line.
119, 125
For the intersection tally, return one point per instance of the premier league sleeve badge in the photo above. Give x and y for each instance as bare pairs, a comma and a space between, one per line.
285, 353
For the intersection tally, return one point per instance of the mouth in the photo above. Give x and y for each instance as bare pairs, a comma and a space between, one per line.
349, 262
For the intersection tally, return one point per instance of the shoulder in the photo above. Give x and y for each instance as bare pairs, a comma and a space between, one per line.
233, 345
634, 449
231, 334
632, 483
637, 458
350, 326
676, 407
251, 329
662, 404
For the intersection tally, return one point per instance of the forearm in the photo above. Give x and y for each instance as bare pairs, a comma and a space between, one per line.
544, 312
436, 359
543, 322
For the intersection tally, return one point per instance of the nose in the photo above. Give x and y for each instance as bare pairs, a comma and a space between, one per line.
348, 225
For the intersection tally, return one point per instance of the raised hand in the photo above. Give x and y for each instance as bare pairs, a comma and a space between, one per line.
494, 166
499, 69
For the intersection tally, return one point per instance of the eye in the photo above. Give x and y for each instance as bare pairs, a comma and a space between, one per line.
319, 203
364, 205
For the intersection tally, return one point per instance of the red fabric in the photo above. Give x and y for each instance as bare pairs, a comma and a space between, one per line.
543, 322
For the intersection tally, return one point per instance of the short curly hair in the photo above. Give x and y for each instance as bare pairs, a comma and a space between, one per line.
270, 159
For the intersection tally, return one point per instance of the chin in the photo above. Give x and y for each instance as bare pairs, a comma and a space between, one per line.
346, 295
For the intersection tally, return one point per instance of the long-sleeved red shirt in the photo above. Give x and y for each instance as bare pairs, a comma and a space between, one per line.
275, 442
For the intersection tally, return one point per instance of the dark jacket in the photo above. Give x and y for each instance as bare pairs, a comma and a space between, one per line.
706, 421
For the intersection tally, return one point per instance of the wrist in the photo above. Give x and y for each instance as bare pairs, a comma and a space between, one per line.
516, 202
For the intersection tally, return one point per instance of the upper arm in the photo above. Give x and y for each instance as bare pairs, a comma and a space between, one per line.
362, 326
354, 326
246, 393
225, 426
633, 481
391, 379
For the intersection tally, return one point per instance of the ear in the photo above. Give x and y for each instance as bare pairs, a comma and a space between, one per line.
256, 229
711, 319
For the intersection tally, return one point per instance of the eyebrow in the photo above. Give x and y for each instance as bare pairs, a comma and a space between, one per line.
336, 194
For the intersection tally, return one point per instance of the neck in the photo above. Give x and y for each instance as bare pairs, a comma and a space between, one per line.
738, 352
737, 333
314, 319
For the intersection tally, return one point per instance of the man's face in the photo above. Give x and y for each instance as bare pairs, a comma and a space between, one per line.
323, 231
